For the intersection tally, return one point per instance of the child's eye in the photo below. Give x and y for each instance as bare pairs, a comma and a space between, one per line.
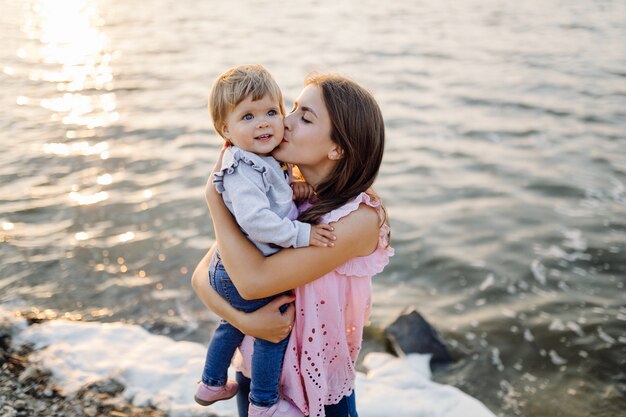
271, 113
248, 117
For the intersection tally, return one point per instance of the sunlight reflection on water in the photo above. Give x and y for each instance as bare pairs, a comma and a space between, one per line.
75, 56
504, 170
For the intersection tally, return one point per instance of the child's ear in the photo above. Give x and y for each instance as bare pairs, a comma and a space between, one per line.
225, 131
335, 153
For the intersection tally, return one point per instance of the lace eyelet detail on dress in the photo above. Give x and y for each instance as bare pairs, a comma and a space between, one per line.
331, 312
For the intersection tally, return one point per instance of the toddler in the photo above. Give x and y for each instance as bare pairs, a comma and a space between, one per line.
247, 109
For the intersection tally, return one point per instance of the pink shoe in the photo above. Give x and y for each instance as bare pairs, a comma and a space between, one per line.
282, 408
207, 395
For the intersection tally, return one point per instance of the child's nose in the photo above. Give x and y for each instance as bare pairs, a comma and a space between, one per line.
263, 123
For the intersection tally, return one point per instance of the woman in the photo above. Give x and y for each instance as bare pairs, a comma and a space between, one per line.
335, 135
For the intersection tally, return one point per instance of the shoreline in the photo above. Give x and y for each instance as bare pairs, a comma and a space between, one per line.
75, 369
26, 390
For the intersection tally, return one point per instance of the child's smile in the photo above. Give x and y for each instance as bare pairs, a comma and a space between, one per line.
255, 126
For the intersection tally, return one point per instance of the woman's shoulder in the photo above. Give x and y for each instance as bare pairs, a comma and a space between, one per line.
363, 208
360, 223
363, 219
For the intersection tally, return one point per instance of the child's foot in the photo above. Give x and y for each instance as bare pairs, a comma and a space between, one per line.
282, 408
207, 395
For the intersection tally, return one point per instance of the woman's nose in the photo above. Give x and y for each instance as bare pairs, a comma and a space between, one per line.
287, 122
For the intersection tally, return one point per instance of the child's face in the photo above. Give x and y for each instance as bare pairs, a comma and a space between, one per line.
255, 126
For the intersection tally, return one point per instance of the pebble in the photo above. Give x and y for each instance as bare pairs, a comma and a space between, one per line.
29, 375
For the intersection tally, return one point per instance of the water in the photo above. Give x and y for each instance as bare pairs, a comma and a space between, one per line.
504, 176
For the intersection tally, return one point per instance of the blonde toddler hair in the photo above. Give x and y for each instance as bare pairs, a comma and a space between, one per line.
235, 85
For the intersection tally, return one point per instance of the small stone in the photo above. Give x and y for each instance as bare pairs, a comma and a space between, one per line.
19, 404
91, 411
29, 375
110, 386
8, 411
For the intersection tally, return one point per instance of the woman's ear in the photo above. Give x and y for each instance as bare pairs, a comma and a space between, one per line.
335, 153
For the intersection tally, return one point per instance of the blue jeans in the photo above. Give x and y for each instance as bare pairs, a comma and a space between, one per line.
346, 407
267, 359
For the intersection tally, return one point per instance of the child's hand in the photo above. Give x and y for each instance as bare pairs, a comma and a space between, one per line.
321, 235
301, 190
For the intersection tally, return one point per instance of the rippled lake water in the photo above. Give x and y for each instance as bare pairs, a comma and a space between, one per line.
504, 174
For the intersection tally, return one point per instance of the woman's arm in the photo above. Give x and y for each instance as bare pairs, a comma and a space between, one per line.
256, 276
265, 323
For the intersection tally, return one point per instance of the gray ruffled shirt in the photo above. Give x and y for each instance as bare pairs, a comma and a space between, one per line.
256, 190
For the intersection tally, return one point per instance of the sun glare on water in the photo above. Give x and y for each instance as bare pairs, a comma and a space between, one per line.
74, 54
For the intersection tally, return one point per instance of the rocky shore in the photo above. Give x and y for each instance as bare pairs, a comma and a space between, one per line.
26, 390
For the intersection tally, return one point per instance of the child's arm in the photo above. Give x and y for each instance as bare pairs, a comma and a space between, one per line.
261, 276
252, 211
320, 233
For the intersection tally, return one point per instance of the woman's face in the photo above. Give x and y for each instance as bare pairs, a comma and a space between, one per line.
307, 142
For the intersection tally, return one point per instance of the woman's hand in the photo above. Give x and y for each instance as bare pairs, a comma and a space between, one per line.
210, 192
268, 322
265, 323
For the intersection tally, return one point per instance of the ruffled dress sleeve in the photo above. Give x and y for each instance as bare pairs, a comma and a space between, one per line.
374, 263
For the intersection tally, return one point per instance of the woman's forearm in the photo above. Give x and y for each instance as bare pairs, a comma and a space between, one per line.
233, 244
256, 276
265, 323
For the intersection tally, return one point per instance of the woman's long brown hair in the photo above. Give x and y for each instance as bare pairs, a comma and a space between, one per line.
358, 128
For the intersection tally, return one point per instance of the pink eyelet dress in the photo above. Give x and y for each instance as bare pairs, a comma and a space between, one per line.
319, 365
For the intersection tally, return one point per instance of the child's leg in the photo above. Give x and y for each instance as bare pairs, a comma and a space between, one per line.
221, 349
267, 363
226, 338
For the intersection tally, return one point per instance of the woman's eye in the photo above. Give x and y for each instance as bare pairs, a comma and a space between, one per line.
305, 120
248, 117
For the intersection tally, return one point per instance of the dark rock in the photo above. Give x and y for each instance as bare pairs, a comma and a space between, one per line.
411, 333
172, 327
110, 386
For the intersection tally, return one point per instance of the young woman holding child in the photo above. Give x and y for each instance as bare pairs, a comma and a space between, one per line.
247, 109
335, 135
